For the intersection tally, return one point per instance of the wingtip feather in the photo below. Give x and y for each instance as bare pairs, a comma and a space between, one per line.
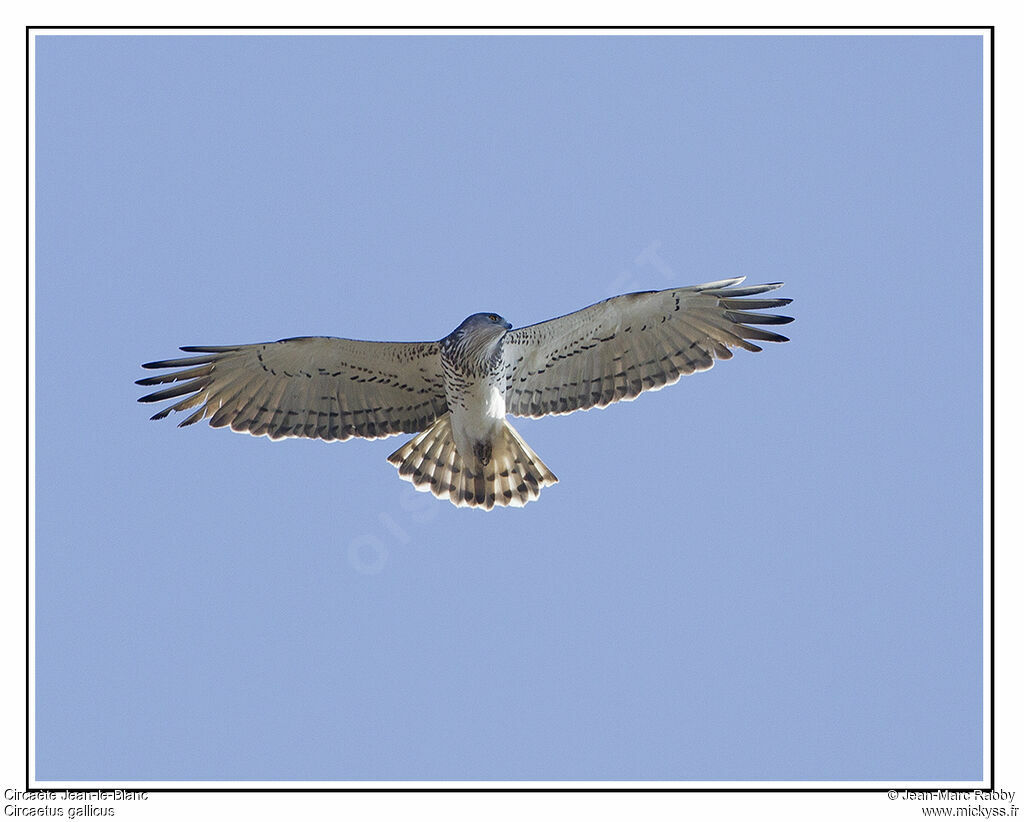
758, 319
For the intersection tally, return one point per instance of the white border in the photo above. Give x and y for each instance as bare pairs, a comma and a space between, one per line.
527, 785
31, 569
547, 31
986, 406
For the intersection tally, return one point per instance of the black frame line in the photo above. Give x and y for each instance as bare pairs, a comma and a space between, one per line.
991, 345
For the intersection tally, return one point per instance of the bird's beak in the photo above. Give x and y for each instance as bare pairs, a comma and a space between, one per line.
508, 325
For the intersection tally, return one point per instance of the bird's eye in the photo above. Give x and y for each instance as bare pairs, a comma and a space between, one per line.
493, 318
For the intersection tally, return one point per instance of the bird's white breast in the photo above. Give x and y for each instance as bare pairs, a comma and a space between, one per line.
479, 417
495, 405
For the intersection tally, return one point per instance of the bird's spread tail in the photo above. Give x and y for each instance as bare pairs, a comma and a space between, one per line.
514, 474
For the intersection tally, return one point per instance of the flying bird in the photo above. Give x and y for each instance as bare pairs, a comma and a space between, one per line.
454, 394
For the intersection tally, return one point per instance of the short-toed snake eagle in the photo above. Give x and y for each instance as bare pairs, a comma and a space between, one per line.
455, 393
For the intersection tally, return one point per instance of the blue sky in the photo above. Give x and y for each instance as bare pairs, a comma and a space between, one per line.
770, 571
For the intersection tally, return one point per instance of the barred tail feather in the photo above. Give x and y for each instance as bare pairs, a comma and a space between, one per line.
514, 476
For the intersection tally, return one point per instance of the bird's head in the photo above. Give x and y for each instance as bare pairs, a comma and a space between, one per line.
479, 336
484, 323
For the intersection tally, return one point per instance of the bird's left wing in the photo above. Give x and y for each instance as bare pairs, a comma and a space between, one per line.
318, 387
618, 348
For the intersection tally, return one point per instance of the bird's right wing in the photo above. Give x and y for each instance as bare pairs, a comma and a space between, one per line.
618, 348
318, 387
